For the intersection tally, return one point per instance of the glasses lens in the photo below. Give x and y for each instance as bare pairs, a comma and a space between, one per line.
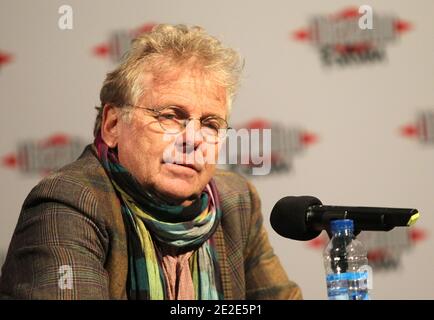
170, 124
213, 129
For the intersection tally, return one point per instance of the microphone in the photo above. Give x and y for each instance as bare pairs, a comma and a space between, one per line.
303, 218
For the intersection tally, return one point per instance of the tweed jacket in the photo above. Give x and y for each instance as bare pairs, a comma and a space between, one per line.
71, 225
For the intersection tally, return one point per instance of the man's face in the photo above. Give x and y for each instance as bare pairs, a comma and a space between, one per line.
143, 146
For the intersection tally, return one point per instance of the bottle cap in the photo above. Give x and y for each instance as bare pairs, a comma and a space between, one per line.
341, 225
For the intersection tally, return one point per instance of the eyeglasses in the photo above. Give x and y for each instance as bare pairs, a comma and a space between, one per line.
174, 120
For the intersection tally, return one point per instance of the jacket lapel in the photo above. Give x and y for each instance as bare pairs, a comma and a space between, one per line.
223, 263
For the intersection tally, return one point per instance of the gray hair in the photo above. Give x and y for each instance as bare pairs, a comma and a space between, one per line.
162, 48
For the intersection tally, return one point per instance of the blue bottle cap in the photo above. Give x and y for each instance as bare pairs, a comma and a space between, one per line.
341, 225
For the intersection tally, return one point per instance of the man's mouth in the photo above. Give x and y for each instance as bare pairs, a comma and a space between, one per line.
196, 167
191, 166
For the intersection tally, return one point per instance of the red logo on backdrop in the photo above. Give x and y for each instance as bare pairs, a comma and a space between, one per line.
340, 41
44, 156
385, 249
119, 42
422, 129
5, 58
286, 143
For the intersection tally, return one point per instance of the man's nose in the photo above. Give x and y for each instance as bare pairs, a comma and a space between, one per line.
192, 136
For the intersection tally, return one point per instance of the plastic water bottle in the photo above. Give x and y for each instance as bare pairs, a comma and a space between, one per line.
346, 264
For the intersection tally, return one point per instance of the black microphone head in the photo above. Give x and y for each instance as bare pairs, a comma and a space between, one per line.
288, 217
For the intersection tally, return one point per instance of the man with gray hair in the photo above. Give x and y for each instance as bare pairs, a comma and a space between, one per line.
129, 219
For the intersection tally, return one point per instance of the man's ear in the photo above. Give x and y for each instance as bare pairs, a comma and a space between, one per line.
110, 125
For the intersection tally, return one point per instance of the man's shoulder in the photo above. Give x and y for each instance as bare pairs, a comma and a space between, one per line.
86, 170
83, 179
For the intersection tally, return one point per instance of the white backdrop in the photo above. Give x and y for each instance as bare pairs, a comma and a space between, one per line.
52, 83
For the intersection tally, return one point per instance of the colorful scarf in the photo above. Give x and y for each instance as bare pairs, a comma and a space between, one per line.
152, 224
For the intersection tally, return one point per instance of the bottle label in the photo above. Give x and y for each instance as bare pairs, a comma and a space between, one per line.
337, 286
347, 286
358, 285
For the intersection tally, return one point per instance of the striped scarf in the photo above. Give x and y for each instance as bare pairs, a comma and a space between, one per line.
152, 224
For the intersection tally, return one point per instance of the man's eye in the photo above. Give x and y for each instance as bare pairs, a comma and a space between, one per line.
168, 116
212, 124
172, 114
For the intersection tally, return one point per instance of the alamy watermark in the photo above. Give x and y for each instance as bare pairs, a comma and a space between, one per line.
250, 147
366, 21
66, 277
66, 19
